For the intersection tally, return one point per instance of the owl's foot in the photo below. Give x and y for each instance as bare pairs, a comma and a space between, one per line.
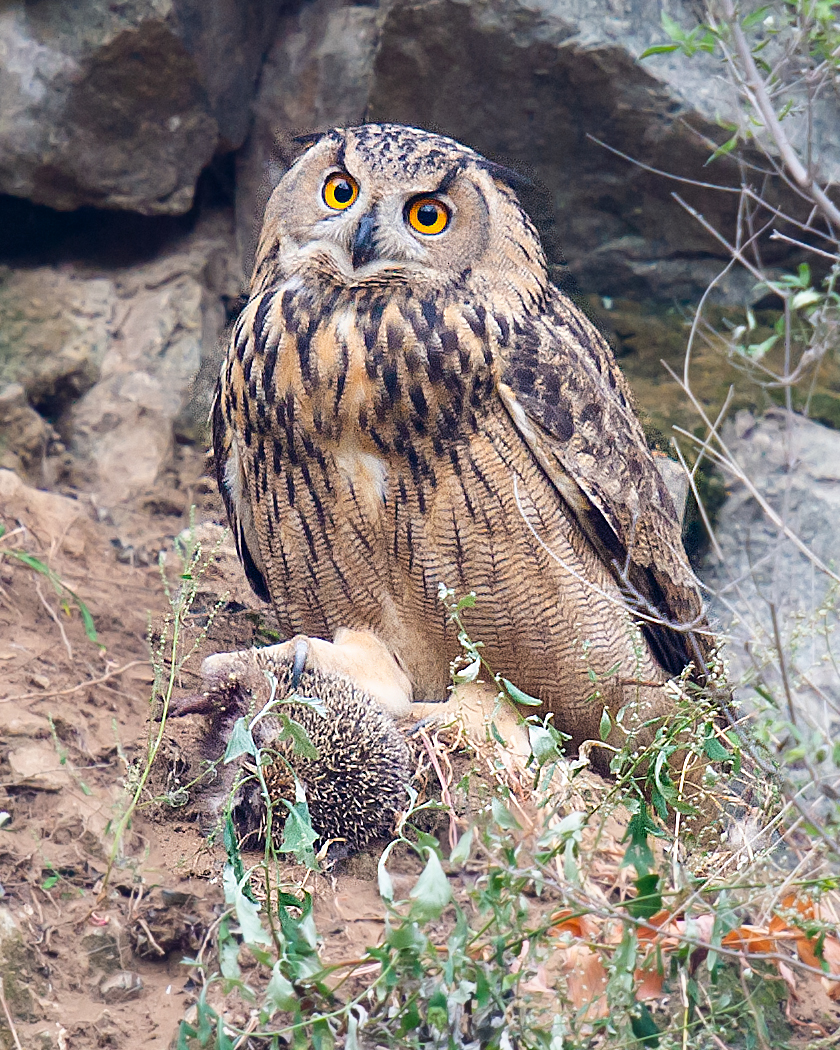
358, 655
476, 706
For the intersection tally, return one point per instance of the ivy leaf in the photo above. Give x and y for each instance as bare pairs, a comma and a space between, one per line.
605, 726
432, 892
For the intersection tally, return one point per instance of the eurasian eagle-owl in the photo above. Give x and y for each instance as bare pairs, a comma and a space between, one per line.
407, 401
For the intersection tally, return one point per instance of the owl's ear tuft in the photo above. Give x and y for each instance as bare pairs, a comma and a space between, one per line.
304, 142
508, 176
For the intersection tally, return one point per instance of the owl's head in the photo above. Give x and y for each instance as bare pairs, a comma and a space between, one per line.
386, 203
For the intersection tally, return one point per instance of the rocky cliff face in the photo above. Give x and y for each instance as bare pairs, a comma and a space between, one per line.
140, 139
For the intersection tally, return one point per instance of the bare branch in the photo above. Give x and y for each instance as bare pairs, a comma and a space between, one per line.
760, 100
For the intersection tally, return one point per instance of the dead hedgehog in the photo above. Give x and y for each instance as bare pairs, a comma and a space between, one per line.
356, 785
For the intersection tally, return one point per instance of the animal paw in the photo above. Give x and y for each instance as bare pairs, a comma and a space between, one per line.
357, 655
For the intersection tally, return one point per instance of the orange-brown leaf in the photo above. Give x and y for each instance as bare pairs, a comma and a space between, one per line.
754, 939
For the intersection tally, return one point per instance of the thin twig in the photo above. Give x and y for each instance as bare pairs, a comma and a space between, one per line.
75, 688
664, 174
761, 101
833, 257
58, 622
9, 1020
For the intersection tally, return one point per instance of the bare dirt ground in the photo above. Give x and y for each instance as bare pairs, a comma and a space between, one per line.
78, 968
86, 964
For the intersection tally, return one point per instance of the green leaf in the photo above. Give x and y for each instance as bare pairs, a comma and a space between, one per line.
648, 899
461, 852
546, 744
643, 1025
658, 49
294, 731
756, 351
806, 298
298, 835
638, 852
185, 1031
49, 882
384, 881
279, 993
229, 956
356, 1018
502, 816
714, 750
437, 1011
605, 726
206, 1018
241, 742
518, 696
723, 150
755, 17
431, 893
247, 912
468, 673
223, 1040
674, 30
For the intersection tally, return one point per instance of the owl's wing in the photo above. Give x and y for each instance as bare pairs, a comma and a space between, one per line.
234, 489
573, 408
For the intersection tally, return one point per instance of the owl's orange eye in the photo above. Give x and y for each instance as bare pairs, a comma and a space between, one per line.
340, 190
427, 215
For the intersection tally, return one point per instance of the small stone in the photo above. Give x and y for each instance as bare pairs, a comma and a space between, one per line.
121, 986
105, 947
38, 766
40, 680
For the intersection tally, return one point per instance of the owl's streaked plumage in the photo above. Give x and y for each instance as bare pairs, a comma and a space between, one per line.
402, 407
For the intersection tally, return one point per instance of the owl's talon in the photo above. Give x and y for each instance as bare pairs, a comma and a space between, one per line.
299, 664
418, 726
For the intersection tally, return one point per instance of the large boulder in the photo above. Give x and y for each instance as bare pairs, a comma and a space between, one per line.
121, 105
527, 82
113, 367
770, 596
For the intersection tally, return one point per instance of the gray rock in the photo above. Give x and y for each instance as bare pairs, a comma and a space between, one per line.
794, 464
525, 82
121, 105
121, 366
159, 369
121, 986
19, 966
28, 444
317, 75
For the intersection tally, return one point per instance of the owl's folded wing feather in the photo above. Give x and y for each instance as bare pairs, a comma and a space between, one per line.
234, 489
571, 404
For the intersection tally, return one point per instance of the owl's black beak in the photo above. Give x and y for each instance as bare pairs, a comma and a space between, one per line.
364, 243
